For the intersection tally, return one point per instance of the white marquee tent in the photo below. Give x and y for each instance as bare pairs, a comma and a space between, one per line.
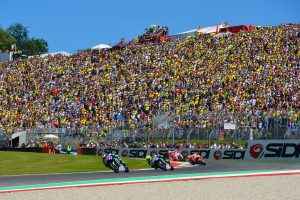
64, 53
21, 136
101, 46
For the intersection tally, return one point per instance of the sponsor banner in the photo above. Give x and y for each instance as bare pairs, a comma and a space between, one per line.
215, 154
111, 150
273, 149
134, 153
138, 153
257, 149
234, 154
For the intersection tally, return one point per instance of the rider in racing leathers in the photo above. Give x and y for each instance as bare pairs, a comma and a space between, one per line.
175, 155
110, 157
152, 160
196, 158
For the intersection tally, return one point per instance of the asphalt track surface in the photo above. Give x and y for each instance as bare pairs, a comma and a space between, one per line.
212, 166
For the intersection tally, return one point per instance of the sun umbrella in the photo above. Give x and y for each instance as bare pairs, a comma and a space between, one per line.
50, 136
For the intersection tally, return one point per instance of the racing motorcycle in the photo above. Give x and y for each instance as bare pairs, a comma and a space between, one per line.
159, 162
175, 156
196, 159
115, 163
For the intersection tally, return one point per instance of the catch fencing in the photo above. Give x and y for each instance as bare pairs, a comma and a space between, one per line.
163, 131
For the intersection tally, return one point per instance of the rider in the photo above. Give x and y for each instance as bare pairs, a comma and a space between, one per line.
110, 157
152, 160
195, 158
175, 155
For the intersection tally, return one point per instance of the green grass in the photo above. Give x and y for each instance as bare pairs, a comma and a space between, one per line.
17, 163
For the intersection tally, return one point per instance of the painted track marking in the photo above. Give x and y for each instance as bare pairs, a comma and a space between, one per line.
147, 179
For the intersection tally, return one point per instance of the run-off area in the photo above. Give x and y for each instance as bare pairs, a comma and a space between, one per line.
242, 188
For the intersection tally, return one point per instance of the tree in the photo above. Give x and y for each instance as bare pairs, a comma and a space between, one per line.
6, 40
28, 46
35, 46
20, 33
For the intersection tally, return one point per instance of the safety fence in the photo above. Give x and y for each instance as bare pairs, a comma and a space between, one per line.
164, 132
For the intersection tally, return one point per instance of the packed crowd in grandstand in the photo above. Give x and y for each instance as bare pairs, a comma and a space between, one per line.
248, 76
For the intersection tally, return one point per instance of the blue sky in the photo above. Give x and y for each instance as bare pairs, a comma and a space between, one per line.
69, 25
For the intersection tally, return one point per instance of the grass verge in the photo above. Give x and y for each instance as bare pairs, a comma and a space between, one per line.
17, 163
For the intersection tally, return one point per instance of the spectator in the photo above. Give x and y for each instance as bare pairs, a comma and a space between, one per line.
249, 76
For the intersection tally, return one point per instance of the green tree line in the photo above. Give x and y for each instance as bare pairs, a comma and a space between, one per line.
18, 34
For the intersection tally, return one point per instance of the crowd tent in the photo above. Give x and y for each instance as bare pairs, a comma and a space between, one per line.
205, 30
237, 29
50, 136
19, 138
211, 29
101, 46
63, 53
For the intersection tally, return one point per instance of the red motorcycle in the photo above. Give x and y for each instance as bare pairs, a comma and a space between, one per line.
175, 156
196, 159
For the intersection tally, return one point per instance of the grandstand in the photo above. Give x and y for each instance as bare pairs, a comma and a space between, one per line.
249, 77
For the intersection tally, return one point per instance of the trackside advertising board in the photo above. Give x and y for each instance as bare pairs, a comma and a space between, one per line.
257, 149
216, 154
273, 149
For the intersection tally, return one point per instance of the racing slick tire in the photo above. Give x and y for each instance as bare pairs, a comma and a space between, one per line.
162, 166
172, 168
116, 170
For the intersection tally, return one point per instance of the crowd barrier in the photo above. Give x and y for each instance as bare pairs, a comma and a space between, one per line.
273, 149
257, 150
216, 154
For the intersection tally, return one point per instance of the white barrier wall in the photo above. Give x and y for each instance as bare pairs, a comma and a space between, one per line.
273, 149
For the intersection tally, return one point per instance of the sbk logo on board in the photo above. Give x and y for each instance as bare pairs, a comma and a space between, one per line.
275, 150
256, 151
229, 154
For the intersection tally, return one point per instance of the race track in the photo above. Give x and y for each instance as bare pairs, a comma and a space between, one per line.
232, 183
212, 166
249, 188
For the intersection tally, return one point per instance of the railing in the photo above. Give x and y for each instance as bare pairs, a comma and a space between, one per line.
164, 129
